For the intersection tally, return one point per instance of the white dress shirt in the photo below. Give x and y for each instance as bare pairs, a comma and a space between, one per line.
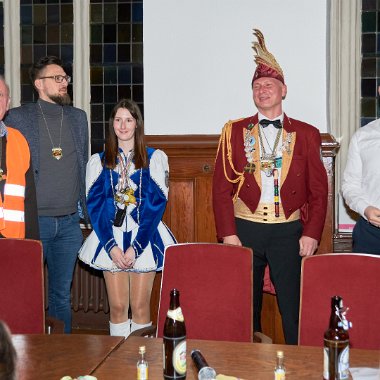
361, 177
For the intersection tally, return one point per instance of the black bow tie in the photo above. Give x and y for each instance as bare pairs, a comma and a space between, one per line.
276, 123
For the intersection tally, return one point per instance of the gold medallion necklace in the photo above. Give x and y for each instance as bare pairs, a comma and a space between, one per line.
56, 152
124, 195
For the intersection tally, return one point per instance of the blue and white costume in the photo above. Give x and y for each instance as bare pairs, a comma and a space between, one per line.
142, 227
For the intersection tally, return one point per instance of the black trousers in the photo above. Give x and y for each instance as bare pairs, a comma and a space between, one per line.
277, 245
366, 237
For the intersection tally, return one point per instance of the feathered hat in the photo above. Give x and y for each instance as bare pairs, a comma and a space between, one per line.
267, 65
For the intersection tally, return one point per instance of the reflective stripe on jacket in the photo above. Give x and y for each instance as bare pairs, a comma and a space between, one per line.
12, 216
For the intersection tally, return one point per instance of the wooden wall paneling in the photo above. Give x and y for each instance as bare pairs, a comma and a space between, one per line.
329, 151
181, 206
155, 298
204, 216
191, 159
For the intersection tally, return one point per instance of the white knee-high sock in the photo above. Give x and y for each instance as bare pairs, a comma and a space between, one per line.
136, 326
120, 329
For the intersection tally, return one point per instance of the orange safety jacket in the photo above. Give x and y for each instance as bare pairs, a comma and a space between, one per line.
12, 215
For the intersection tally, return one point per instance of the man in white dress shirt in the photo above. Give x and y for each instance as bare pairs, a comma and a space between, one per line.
361, 184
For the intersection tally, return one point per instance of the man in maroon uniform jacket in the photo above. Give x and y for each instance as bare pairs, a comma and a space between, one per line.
270, 190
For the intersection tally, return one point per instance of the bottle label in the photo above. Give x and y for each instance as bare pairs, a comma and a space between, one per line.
142, 372
326, 363
341, 358
344, 363
176, 314
179, 358
279, 374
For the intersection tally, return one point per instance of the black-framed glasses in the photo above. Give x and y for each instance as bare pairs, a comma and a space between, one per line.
58, 78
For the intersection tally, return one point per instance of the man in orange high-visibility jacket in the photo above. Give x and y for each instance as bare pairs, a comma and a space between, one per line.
18, 205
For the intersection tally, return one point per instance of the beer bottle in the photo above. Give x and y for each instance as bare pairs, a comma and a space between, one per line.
174, 338
336, 343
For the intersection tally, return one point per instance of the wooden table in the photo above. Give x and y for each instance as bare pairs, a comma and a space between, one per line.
53, 356
244, 360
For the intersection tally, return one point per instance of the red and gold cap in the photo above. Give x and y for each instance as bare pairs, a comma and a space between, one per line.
267, 65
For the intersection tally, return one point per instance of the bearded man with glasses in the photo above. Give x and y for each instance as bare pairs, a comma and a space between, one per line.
57, 134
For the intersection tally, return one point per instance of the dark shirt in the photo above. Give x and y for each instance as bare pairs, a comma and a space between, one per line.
58, 184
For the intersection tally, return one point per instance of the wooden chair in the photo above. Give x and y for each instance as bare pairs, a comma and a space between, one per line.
215, 284
354, 277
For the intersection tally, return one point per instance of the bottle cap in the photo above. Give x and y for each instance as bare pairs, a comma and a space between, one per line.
207, 373
142, 350
280, 354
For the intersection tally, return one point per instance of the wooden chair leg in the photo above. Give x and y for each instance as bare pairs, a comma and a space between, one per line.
53, 326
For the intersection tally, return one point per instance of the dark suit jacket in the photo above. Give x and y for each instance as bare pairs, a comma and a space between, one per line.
25, 119
303, 177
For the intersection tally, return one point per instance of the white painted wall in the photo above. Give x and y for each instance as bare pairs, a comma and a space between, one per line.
198, 61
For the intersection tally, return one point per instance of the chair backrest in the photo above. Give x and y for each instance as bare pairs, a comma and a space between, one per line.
22, 286
354, 277
215, 284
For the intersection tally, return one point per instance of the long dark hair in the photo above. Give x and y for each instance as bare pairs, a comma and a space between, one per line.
112, 148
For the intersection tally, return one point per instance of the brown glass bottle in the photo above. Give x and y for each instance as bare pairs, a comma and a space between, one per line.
336, 344
174, 338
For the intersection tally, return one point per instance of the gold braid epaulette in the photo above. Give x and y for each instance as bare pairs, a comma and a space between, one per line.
225, 143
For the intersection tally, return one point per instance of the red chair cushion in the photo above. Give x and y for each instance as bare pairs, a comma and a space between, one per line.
21, 286
215, 284
354, 277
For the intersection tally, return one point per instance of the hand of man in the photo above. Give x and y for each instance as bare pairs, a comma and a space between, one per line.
373, 215
232, 239
308, 246
130, 256
118, 258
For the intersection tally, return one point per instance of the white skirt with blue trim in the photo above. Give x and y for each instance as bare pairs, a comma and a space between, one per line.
151, 259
